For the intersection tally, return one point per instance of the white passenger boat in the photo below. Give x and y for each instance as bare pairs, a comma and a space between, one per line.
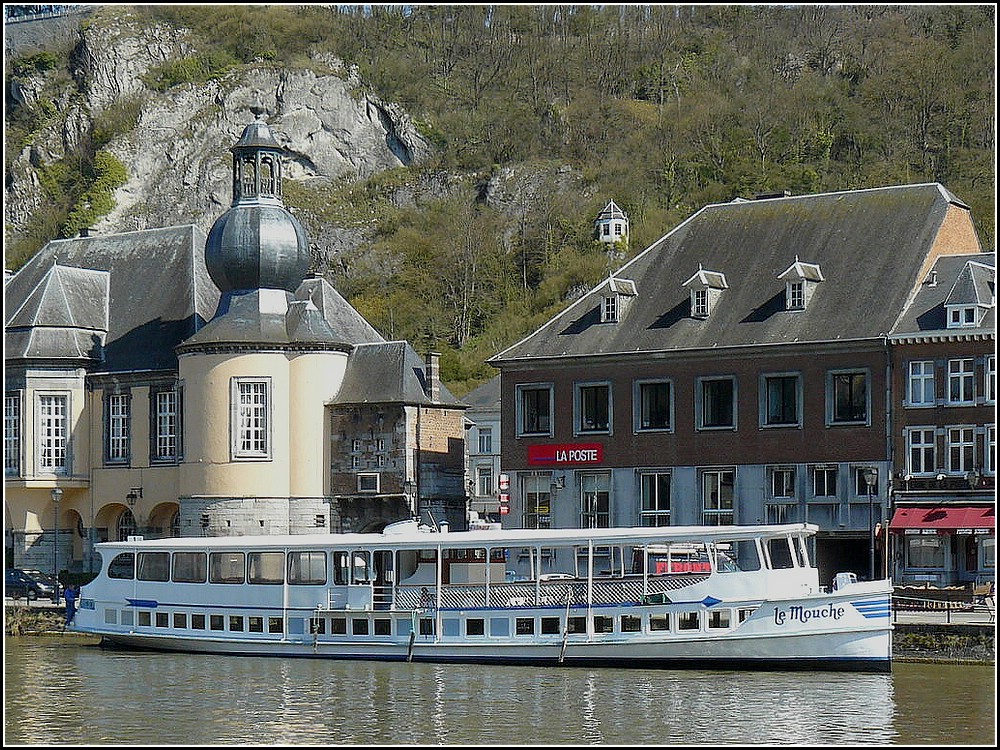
678, 597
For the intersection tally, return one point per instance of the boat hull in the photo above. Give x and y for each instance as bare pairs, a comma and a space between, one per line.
790, 654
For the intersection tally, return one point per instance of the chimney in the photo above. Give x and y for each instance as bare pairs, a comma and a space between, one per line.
433, 376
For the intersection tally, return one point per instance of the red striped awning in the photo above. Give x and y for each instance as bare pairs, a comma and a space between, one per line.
944, 518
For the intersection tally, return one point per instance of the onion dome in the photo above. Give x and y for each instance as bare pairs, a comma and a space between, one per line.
257, 243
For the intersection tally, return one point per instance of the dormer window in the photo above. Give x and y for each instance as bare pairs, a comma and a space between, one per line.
706, 287
616, 298
963, 317
800, 283
971, 296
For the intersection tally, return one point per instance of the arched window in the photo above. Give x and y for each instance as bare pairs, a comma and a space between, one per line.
126, 525
266, 176
249, 176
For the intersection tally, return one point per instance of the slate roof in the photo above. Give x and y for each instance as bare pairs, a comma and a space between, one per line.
486, 397
65, 316
870, 245
954, 279
390, 372
159, 290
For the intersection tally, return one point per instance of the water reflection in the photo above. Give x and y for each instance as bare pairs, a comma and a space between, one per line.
57, 690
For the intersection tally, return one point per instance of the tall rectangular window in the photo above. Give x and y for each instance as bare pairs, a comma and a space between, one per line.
251, 431
52, 433
825, 481
717, 403
718, 493
484, 481
990, 379
593, 408
921, 383
961, 449
961, 381
849, 397
783, 482
921, 450
595, 501
654, 412
536, 495
991, 450
534, 407
117, 427
781, 394
485, 439
655, 490
699, 303
165, 425
12, 433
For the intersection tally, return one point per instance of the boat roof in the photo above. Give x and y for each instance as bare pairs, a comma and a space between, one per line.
410, 536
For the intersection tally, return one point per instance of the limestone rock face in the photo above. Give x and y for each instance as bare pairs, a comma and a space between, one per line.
177, 156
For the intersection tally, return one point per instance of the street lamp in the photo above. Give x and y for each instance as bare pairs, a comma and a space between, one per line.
56, 498
871, 477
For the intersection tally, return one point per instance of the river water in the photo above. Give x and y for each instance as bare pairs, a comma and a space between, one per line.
63, 689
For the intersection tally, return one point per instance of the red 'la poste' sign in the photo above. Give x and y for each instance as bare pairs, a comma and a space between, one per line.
568, 453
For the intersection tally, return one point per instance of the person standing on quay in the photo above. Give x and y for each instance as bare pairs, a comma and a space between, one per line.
70, 596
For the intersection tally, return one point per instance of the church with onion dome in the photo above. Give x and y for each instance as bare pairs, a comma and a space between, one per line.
167, 383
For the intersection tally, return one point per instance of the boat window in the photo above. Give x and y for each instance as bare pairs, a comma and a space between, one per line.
719, 618
180, 620
338, 626
359, 627
307, 567
664, 559
145, 618
687, 621
197, 622
475, 626
603, 624
780, 553
217, 622
275, 625
123, 566
154, 566
190, 567
576, 624
383, 626
361, 571
426, 626
499, 627
631, 624
226, 567
659, 621
162, 620
800, 547
745, 614
317, 626
256, 624
524, 626
266, 567
236, 623
550, 626
736, 556
341, 568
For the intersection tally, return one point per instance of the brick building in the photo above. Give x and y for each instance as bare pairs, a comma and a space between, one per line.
736, 371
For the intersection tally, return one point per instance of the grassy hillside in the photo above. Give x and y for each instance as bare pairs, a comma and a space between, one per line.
661, 108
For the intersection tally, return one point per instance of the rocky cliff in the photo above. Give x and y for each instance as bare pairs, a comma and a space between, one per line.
177, 153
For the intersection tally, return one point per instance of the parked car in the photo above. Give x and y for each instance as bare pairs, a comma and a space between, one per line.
18, 583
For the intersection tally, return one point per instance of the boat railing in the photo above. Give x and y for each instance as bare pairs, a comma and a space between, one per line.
524, 594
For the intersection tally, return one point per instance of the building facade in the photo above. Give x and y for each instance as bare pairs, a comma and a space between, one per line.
483, 475
943, 528
736, 371
166, 382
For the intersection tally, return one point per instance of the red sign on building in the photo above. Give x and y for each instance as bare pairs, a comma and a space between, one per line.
564, 454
